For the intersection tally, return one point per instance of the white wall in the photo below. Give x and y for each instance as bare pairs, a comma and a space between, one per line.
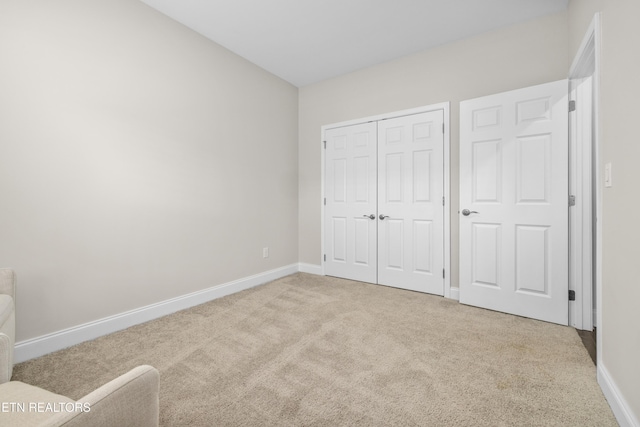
138, 161
620, 90
522, 55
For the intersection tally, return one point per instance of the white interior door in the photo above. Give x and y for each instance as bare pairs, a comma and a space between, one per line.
351, 202
410, 202
514, 202
384, 214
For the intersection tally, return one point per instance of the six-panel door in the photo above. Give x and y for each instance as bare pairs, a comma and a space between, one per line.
410, 192
351, 200
514, 202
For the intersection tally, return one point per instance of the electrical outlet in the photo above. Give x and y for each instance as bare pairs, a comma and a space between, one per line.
265, 252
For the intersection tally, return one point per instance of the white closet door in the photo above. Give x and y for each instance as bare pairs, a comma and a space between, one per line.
350, 211
514, 202
410, 202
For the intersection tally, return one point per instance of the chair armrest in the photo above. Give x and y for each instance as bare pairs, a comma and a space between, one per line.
6, 358
129, 400
8, 282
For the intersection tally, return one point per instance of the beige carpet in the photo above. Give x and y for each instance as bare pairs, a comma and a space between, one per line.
314, 351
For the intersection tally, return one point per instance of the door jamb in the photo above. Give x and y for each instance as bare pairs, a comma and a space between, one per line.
445, 107
581, 214
585, 63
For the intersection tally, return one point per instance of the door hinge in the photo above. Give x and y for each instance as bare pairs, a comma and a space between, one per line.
572, 200
325, 144
325, 201
572, 106
442, 200
443, 128
572, 295
443, 273
325, 257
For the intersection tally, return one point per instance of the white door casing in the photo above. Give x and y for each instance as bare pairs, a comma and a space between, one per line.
351, 197
514, 174
410, 202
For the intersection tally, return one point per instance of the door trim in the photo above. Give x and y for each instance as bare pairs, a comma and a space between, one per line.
581, 214
445, 107
587, 63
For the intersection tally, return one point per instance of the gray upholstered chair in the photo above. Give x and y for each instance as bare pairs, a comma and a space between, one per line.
7, 322
129, 400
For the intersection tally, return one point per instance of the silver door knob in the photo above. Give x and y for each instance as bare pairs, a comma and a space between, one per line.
467, 212
382, 217
372, 216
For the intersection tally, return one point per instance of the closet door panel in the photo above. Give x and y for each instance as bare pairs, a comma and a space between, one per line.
350, 232
410, 194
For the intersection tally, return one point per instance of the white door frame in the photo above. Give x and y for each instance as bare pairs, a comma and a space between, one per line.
581, 214
589, 198
445, 107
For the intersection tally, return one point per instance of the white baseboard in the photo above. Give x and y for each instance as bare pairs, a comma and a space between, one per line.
623, 413
454, 293
49, 343
310, 268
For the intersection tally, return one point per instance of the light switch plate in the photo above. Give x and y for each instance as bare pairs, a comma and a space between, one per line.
607, 175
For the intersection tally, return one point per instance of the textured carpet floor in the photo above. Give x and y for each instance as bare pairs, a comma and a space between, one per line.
316, 351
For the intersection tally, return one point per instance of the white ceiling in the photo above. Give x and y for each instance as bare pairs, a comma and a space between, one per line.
306, 41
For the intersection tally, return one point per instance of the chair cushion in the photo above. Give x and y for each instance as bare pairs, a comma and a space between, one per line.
6, 307
26, 405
